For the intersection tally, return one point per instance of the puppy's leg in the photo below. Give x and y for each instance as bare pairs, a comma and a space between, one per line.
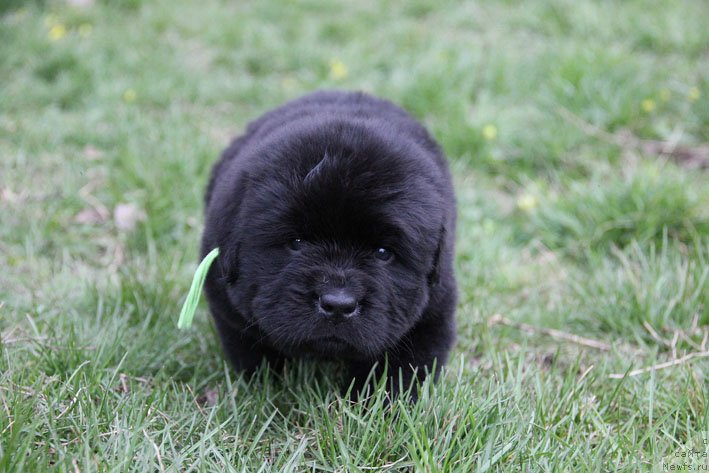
422, 351
245, 353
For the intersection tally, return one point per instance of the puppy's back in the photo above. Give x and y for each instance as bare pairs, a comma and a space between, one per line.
336, 105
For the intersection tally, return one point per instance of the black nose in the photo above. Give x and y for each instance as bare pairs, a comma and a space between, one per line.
338, 304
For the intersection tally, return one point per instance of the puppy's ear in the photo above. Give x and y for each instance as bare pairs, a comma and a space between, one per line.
434, 276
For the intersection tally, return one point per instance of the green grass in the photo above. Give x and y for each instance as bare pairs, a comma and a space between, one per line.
130, 102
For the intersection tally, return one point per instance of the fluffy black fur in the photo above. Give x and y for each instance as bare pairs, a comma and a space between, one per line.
336, 194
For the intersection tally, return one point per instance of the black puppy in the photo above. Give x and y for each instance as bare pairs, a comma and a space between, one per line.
335, 219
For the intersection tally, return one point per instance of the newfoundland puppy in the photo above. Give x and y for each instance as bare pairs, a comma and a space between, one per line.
335, 219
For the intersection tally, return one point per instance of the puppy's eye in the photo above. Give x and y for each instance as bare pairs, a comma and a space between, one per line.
383, 254
296, 244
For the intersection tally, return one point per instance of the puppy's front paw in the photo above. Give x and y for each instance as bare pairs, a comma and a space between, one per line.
366, 384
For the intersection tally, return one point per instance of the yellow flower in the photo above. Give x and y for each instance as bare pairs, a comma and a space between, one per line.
129, 96
526, 202
85, 29
648, 105
338, 70
57, 32
693, 94
665, 95
289, 83
50, 20
489, 132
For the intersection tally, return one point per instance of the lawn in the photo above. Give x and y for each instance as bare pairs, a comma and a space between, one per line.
577, 134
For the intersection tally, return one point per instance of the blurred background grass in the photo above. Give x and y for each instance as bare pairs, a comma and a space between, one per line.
577, 133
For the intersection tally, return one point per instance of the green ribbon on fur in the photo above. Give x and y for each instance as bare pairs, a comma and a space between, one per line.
190, 305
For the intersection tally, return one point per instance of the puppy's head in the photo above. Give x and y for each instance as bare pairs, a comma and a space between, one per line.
336, 240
